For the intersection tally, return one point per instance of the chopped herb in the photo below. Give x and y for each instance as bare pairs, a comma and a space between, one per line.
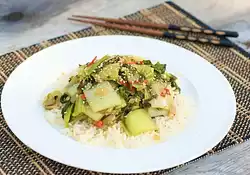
160, 68
140, 94
147, 62
112, 60
145, 104
124, 93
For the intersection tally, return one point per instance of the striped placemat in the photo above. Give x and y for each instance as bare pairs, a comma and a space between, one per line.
234, 63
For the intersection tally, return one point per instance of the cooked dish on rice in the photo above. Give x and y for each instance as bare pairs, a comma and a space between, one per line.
119, 101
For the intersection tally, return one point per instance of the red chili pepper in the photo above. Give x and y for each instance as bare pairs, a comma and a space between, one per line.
83, 96
132, 89
126, 84
98, 124
131, 62
141, 62
121, 82
93, 61
145, 81
163, 94
167, 91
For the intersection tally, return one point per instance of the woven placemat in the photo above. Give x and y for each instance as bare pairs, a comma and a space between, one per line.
234, 63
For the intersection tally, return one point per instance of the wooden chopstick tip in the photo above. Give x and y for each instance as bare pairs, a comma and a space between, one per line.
88, 17
77, 20
72, 19
77, 16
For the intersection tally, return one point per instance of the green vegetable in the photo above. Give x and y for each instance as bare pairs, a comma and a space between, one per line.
147, 62
123, 104
79, 107
158, 87
166, 76
174, 85
67, 115
82, 71
147, 94
93, 115
112, 60
160, 68
124, 92
72, 90
128, 73
115, 110
146, 71
109, 120
132, 74
154, 112
139, 121
114, 84
131, 58
125, 128
88, 83
102, 97
145, 104
172, 77
110, 72
134, 107
65, 98
162, 102
96, 64
74, 80
75, 119
52, 100
65, 107
139, 87
134, 101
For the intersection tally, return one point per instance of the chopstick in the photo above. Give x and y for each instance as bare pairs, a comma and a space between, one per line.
222, 42
164, 26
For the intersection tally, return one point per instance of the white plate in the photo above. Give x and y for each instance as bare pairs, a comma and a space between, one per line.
21, 105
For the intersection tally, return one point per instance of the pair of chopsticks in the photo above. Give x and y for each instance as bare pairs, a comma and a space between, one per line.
136, 26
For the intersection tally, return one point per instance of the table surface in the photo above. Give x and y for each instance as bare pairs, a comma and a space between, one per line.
47, 19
